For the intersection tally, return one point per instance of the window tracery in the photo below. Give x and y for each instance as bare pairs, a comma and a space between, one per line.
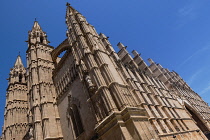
73, 116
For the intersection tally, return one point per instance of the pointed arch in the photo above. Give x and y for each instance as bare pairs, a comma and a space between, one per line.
76, 120
73, 116
64, 46
41, 39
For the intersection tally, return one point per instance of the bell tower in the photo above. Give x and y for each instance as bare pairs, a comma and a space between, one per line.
43, 117
15, 120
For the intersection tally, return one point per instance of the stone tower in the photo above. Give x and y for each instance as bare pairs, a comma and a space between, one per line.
127, 100
92, 92
15, 116
43, 113
107, 88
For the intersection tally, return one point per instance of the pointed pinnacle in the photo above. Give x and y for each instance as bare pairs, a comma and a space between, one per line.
18, 62
36, 26
72, 9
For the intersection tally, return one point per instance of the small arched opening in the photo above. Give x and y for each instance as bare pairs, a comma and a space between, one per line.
20, 78
41, 39
60, 56
60, 51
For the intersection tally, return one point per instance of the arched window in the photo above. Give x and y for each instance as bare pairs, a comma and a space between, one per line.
76, 120
20, 77
41, 39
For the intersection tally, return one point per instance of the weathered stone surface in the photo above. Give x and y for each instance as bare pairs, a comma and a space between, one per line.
93, 93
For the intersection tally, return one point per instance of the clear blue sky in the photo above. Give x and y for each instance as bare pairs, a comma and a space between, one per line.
175, 34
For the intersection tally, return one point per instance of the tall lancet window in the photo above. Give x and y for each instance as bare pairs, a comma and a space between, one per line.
20, 77
41, 39
76, 120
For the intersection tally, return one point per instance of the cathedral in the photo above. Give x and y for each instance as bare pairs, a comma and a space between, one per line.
93, 92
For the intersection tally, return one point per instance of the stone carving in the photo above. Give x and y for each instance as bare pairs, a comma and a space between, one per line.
84, 68
31, 135
113, 111
89, 83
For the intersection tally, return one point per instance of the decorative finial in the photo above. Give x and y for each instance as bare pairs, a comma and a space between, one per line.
19, 53
35, 19
67, 4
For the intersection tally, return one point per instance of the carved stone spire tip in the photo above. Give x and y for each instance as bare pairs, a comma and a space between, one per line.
36, 26
18, 62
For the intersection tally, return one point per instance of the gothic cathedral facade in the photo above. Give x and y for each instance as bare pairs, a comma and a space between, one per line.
95, 93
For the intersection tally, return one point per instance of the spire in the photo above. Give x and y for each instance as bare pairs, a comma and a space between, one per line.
70, 10
17, 73
18, 63
36, 27
37, 35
